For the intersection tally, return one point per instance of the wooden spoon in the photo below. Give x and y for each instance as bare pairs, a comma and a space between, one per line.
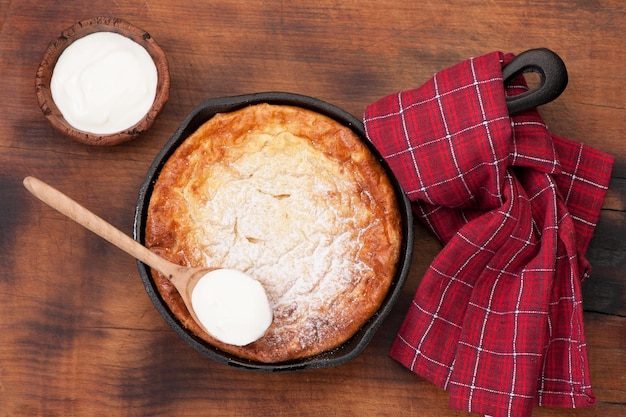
183, 278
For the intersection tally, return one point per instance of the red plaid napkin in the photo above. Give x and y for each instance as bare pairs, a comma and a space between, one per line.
497, 319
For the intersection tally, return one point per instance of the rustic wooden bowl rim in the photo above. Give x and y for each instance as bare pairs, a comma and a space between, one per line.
77, 31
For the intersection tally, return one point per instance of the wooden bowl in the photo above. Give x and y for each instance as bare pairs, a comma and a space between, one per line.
77, 31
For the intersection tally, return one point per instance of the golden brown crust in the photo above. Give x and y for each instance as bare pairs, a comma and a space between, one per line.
297, 201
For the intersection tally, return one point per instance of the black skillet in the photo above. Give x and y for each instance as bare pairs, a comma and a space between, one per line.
553, 79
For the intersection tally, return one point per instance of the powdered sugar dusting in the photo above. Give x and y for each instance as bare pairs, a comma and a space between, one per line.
285, 216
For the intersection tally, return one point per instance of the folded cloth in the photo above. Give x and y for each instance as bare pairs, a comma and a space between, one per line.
497, 318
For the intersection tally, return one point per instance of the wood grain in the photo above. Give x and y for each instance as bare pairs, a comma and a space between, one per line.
80, 337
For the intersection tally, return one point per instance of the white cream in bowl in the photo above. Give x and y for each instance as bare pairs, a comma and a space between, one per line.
104, 83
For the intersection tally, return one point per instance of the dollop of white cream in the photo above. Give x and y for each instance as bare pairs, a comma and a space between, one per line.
232, 306
104, 83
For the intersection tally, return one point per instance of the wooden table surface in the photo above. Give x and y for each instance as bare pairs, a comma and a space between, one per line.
78, 334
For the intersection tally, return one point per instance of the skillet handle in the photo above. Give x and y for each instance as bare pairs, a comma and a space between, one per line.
552, 73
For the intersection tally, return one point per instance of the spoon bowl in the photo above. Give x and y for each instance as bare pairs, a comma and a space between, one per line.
185, 279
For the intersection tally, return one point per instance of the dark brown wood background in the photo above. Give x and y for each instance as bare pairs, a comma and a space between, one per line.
78, 334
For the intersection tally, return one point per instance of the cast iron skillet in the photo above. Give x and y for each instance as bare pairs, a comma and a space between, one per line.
350, 349
553, 81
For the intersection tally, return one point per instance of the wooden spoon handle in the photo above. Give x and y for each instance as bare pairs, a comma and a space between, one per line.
59, 201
